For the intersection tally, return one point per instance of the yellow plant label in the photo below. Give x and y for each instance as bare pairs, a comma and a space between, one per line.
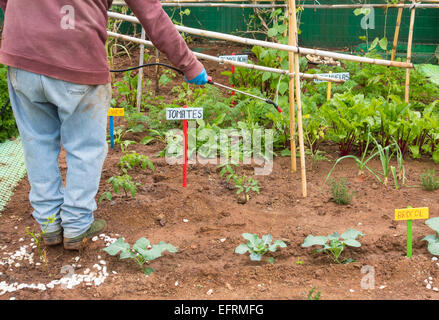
411, 214
116, 112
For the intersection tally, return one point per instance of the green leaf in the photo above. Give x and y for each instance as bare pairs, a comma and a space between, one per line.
242, 248
148, 271
147, 140
433, 223
115, 247
267, 239
351, 234
252, 238
352, 243
255, 256
266, 76
433, 248
314, 240
383, 43
431, 238
141, 244
270, 260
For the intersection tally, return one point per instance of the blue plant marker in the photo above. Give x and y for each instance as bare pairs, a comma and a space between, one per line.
111, 132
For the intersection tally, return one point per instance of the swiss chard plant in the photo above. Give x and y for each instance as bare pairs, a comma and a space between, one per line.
333, 245
433, 239
258, 247
142, 251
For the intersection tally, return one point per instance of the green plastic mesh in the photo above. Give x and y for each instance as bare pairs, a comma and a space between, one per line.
12, 169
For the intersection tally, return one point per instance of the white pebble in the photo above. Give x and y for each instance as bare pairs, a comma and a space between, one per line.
114, 272
77, 259
351, 290
12, 298
435, 289
223, 239
428, 286
185, 220
210, 292
434, 259
94, 238
176, 283
102, 262
382, 287
430, 278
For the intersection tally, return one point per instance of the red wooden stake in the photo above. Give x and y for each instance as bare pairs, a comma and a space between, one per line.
185, 151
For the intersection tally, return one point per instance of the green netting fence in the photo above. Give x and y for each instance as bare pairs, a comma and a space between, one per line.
12, 169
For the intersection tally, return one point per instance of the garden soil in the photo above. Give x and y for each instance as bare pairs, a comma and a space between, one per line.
205, 222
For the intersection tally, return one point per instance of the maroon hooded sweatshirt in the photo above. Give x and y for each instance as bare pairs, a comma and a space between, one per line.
65, 39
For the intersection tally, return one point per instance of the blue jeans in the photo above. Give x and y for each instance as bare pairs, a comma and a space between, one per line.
51, 112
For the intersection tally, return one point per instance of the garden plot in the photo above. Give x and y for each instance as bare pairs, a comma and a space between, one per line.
206, 221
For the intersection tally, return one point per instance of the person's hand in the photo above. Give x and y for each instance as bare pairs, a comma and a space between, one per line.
201, 79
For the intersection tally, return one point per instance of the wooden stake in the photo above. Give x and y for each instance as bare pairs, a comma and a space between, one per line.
292, 42
292, 6
409, 54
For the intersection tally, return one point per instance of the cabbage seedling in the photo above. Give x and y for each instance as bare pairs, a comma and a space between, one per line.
257, 247
433, 239
333, 245
142, 251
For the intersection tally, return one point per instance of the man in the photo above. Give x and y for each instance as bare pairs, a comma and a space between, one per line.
60, 92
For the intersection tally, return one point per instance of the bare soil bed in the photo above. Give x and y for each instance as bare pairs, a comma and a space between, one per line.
206, 263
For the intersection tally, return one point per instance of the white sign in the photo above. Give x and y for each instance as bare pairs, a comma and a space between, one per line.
237, 58
184, 113
342, 76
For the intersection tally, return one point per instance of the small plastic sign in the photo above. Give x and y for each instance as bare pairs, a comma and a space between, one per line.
342, 76
116, 112
411, 214
236, 58
184, 113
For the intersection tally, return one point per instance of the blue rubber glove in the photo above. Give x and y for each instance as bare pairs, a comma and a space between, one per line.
201, 79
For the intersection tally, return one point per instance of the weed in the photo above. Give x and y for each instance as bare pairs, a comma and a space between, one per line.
340, 192
429, 181
38, 238
312, 296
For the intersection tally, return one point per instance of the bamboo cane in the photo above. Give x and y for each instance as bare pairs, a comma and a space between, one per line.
409, 54
140, 74
292, 41
395, 39
272, 45
235, 63
292, 6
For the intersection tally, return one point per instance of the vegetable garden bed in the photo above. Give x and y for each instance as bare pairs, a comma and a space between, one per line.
205, 222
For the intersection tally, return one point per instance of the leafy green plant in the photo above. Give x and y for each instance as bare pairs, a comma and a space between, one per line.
433, 239
242, 183
133, 159
429, 181
258, 247
38, 238
119, 183
142, 252
340, 192
333, 245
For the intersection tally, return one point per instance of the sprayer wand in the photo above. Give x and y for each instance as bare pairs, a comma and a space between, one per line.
210, 81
